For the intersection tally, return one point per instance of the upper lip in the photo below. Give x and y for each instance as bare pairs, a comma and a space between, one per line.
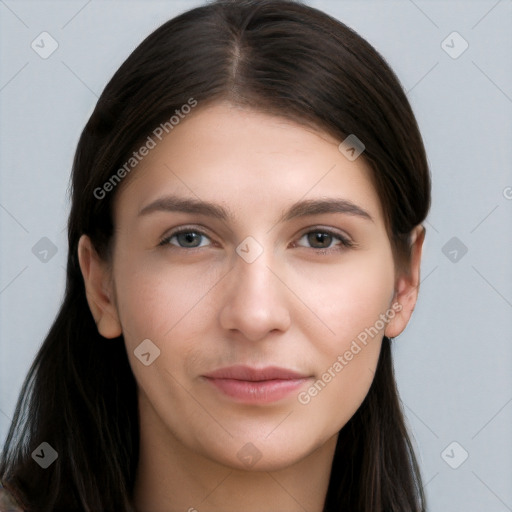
248, 373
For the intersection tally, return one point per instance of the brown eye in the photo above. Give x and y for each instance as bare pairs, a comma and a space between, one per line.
323, 239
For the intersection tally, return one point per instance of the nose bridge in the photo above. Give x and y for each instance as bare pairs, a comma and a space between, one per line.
253, 278
253, 270
256, 301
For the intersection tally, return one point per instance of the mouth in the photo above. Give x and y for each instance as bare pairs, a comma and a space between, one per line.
245, 384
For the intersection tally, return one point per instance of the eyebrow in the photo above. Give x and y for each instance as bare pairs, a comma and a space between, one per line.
302, 208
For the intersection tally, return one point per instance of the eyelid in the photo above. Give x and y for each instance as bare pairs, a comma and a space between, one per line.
346, 241
182, 229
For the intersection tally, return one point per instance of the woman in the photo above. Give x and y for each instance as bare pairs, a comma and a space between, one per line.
244, 241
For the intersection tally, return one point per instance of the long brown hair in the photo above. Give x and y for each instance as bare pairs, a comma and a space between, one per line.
279, 57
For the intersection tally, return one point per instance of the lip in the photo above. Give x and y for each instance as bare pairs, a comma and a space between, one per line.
256, 385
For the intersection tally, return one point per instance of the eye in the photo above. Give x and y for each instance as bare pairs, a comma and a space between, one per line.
185, 238
322, 240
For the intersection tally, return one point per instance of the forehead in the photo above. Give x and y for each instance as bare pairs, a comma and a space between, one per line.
241, 158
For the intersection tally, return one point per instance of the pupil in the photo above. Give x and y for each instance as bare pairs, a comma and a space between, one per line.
321, 238
188, 238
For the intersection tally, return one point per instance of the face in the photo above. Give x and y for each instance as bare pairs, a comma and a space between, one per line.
265, 309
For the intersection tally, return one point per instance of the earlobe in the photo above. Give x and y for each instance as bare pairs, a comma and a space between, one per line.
98, 289
407, 286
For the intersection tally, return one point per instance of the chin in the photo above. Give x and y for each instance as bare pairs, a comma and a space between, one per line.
263, 454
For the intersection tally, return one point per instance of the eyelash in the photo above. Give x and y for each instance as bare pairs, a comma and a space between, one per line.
345, 243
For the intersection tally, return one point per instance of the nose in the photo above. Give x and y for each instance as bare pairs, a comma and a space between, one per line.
255, 300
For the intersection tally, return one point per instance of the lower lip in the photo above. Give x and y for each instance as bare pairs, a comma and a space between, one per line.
257, 392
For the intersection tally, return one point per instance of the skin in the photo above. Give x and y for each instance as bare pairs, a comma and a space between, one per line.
207, 308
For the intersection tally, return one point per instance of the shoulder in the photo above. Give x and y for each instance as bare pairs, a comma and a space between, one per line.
7, 501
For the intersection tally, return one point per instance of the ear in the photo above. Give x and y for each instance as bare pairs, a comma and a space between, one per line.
98, 289
407, 285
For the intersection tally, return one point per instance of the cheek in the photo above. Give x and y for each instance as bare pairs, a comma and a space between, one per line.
347, 299
354, 306
164, 303
167, 306
334, 397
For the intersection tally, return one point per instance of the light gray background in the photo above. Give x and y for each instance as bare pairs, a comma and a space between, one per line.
454, 361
